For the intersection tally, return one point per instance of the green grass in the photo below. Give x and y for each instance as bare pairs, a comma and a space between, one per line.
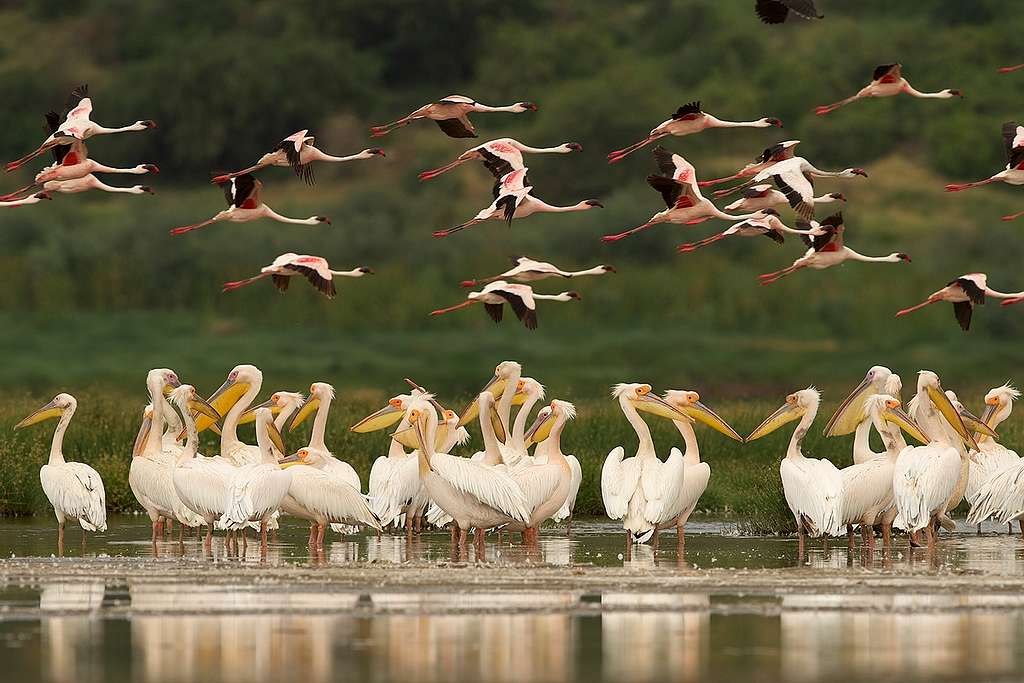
744, 482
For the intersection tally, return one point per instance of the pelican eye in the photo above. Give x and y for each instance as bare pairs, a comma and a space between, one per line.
396, 402
791, 399
892, 404
693, 396
643, 390
994, 401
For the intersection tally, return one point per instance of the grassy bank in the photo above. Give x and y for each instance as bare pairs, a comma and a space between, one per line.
744, 482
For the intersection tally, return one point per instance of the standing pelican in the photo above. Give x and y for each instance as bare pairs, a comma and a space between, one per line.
320, 397
475, 495
74, 489
516, 452
696, 473
546, 485
318, 494
852, 412
255, 491
200, 482
813, 488
642, 490
868, 485
925, 478
232, 400
991, 456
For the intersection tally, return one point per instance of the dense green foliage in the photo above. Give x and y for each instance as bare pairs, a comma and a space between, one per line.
97, 292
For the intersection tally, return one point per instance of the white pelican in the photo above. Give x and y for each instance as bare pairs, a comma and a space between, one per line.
925, 477
231, 400
395, 489
868, 485
321, 496
813, 488
200, 482
475, 495
150, 472
516, 451
696, 473
852, 414
255, 491
992, 456
642, 490
501, 156
887, 81
74, 489
546, 485
528, 270
320, 397
297, 150
282, 405
504, 384
688, 119
451, 115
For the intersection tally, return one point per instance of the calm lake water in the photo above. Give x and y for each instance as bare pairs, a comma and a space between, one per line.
59, 623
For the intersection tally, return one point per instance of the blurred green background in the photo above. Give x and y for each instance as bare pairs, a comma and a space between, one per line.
97, 291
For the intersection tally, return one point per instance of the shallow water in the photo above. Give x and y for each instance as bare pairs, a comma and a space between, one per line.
113, 612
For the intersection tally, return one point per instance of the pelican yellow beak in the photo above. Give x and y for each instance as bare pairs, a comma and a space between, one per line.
655, 405
441, 436
976, 424
990, 412
407, 437
701, 413
250, 414
895, 415
949, 411
171, 385
541, 429
787, 413
199, 406
222, 401
47, 412
496, 386
382, 419
140, 438
308, 408
851, 412
275, 437
498, 425
298, 458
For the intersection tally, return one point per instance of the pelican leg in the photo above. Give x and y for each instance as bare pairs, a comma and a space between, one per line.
320, 535
83, 538
156, 525
312, 535
263, 538
167, 526
800, 542
887, 535
654, 541
568, 526
463, 550
680, 537
849, 537
419, 524
60, 538
208, 543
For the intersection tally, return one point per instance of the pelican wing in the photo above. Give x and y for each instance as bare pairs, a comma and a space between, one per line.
492, 486
538, 483
695, 482
662, 483
923, 481
619, 479
814, 493
339, 468
867, 486
574, 488
324, 494
202, 484
985, 463
76, 489
1000, 496
253, 492
396, 483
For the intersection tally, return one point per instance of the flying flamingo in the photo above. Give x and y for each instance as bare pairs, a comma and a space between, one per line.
1013, 174
887, 81
512, 199
297, 151
313, 268
769, 226
501, 156
1008, 69
826, 250
765, 196
244, 204
687, 120
795, 179
24, 201
771, 155
452, 116
778, 11
678, 187
521, 298
528, 270
965, 292
77, 126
